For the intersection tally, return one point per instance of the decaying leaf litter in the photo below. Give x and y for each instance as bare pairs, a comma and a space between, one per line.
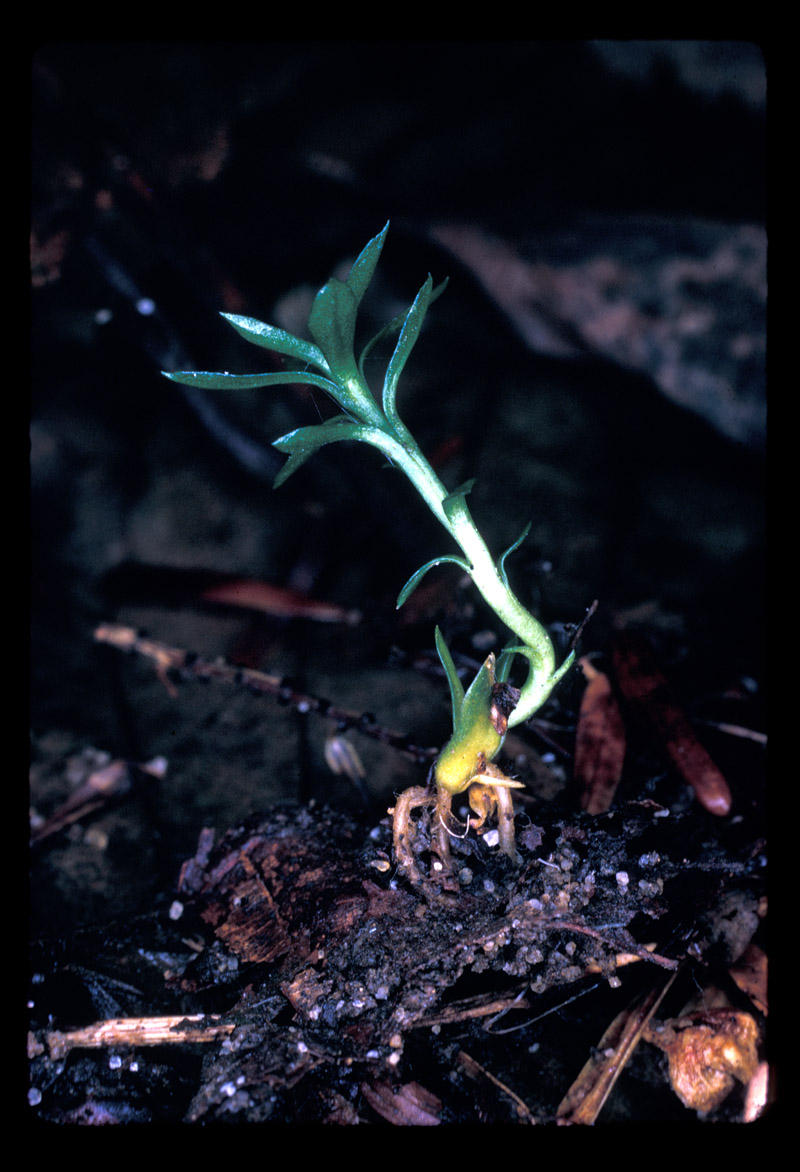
326, 985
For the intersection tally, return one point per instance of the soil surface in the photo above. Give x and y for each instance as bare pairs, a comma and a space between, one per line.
201, 846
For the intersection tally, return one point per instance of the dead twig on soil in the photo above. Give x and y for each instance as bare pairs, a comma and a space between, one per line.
475, 1070
586, 1097
136, 1031
174, 662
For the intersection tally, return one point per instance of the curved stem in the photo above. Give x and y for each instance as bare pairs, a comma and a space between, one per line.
485, 573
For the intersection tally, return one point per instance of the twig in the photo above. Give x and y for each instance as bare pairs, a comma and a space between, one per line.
590, 610
174, 661
138, 1031
476, 1007
587, 1095
474, 1069
734, 730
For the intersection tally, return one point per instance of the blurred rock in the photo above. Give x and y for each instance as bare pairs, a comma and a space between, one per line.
682, 301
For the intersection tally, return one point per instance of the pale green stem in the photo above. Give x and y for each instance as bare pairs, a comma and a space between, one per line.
537, 646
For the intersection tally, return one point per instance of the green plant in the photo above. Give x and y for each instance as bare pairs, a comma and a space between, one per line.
482, 715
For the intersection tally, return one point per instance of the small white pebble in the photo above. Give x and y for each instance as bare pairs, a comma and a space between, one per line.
623, 878
114, 1062
175, 909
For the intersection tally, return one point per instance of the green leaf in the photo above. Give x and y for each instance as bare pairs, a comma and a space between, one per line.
393, 326
506, 659
304, 441
363, 270
316, 436
454, 503
474, 721
456, 687
415, 579
279, 341
222, 381
405, 344
332, 325
502, 559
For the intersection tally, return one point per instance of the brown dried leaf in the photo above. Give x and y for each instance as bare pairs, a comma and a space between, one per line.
649, 694
409, 1105
600, 742
253, 594
750, 974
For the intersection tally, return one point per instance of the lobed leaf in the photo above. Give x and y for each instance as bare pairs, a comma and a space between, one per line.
394, 325
363, 270
332, 325
222, 381
304, 441
279, 341
405, 344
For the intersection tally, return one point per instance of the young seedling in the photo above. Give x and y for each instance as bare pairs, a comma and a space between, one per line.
482, 714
